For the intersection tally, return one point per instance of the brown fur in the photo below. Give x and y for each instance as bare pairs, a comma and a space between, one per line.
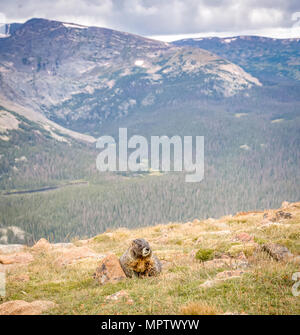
142, 265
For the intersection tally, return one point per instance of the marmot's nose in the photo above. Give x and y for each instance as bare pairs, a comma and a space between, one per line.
146, 251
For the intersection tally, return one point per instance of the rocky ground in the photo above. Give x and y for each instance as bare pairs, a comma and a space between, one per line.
238, 264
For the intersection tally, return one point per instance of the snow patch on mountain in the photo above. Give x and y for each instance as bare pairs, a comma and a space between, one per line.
139, 62
72, 25
228, 40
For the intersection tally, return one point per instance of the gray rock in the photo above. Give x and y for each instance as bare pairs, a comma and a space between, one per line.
278, 252
283, 215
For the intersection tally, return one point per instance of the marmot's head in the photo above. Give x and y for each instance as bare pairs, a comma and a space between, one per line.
140, 248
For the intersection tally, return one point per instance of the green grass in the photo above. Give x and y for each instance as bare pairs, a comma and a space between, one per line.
204, 254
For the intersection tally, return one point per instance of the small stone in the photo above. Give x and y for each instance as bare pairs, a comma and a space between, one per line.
118, 296
278, 252
109, 270
209, 283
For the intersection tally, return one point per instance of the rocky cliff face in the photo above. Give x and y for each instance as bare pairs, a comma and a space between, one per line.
77, 75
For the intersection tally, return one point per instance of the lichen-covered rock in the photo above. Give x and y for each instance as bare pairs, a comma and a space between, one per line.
283, 215
21, 307
43, 245
278, 252
109, 270
67, 256
17, 258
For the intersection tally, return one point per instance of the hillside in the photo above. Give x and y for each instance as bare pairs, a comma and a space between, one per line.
272, 60
214, 266
39, 153
80, 76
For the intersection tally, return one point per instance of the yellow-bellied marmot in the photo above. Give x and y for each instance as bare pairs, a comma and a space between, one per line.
139, 261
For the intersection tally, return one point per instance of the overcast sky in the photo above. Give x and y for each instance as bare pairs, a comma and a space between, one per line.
167, 20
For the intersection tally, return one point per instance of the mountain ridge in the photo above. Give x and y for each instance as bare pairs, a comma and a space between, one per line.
81, 76
268, 58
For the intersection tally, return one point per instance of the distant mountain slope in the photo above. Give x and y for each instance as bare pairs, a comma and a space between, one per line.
269, 59
39, 118
35, 154
80, 76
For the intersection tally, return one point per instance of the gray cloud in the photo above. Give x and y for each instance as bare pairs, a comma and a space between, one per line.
159, 17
